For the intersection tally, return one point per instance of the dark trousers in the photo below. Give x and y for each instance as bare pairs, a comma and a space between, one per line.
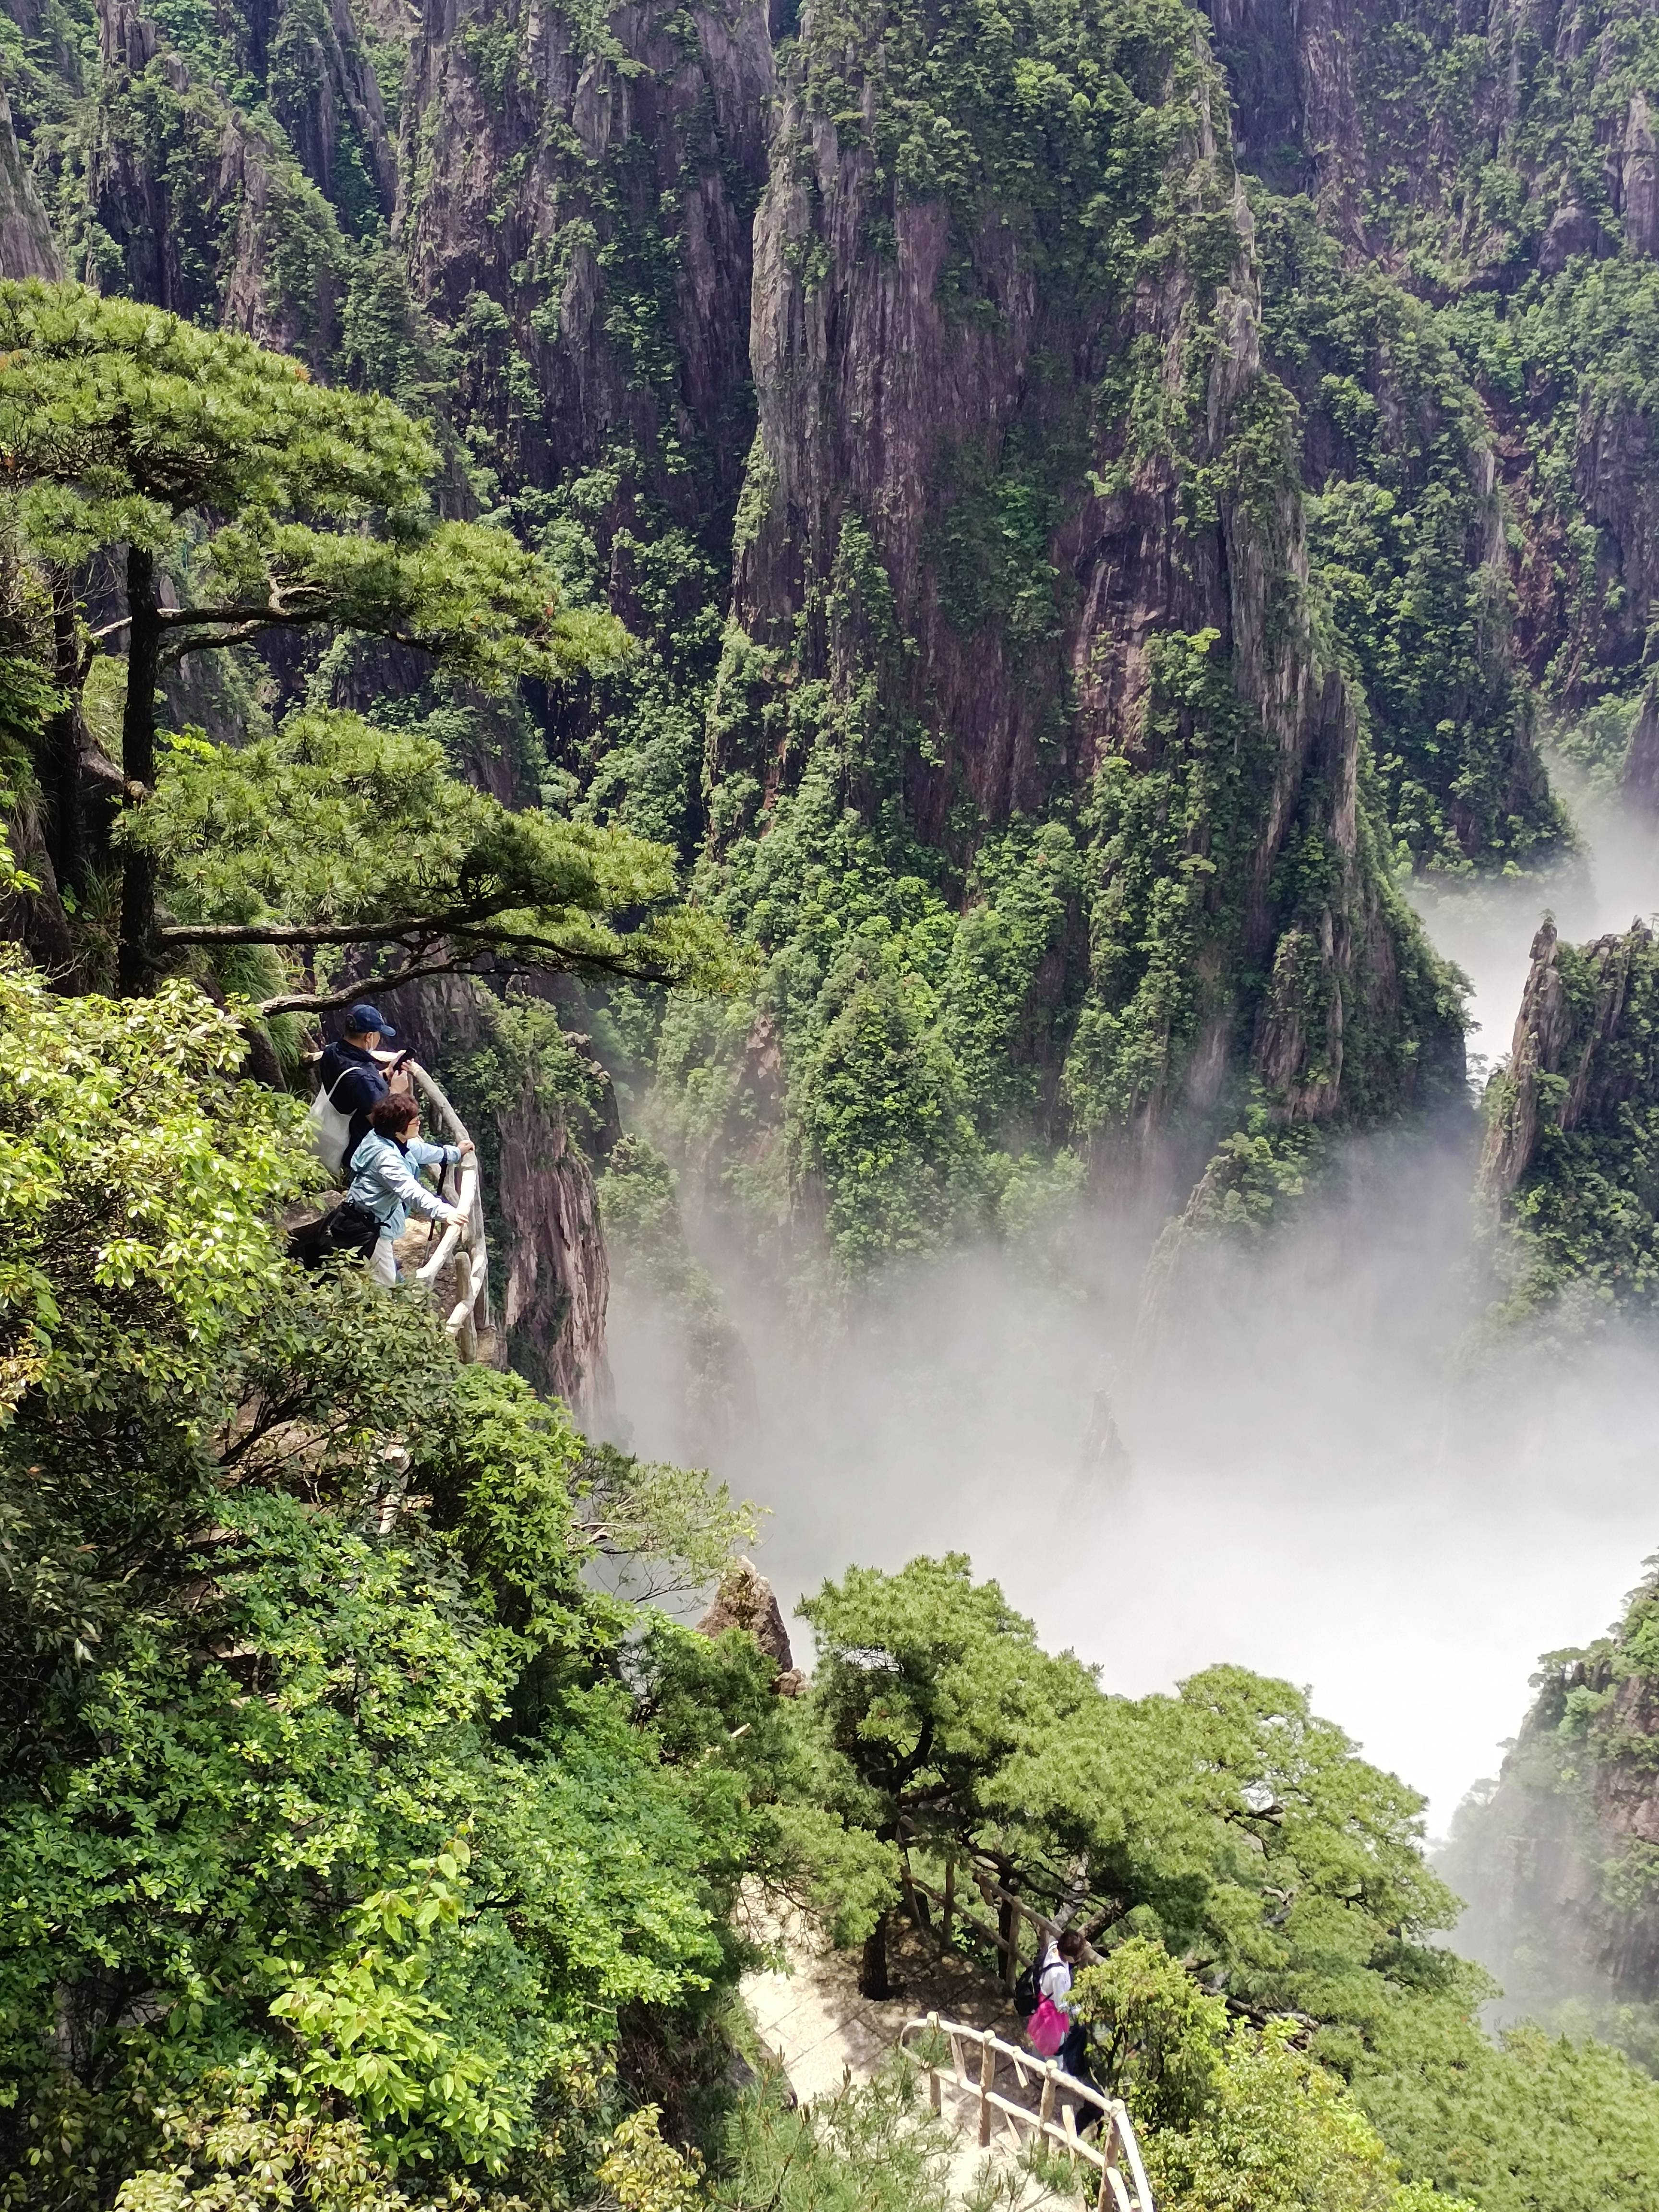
1073, 2055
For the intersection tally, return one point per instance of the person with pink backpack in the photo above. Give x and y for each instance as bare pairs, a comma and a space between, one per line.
1052, 2031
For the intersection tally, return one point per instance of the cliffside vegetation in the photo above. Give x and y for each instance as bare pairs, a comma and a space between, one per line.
361, 1851
1555, 1855
1033, 782
1567, 1174
879, 518
1078, 548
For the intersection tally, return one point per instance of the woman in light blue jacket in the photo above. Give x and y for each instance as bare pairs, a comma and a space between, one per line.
384, 1183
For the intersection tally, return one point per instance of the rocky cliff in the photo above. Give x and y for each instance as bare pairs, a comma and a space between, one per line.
1556, 1857
1021, 591
1096, 495
537, 1107
914, 414
577, 197
1568, 1170
1498, 163
28, 247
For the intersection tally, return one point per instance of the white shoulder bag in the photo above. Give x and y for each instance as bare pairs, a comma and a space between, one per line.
330, 1128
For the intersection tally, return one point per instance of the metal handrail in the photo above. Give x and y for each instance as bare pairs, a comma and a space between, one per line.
1123, 2183
462, 1243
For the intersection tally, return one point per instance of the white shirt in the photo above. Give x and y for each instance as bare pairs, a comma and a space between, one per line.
1055, 1980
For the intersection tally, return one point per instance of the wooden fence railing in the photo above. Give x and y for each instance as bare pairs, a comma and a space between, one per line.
1052, 2121
1014, 1913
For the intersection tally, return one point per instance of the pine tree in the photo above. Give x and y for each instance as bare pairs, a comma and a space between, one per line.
237, 498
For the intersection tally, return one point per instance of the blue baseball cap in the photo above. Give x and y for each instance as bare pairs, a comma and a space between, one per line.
363, 1017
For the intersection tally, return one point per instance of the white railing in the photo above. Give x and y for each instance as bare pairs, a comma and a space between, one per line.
1052, 2121
461, 1252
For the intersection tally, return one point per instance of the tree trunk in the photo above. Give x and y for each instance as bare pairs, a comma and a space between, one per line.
872, 1967
135, 963
60, 763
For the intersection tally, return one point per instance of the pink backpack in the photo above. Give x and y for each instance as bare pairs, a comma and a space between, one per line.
1047, 2028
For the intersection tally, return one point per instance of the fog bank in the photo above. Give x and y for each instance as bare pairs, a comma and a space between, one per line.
1310, 1486
1312, 1482
1488, 927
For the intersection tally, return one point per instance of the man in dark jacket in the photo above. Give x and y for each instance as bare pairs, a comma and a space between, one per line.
350, 1074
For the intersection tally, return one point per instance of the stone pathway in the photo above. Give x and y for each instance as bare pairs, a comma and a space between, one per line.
825, 2034
823, 2031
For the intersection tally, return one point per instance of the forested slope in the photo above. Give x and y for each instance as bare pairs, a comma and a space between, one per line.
958, 519
1089, 512
363, 1849
888, 593
1555, 1855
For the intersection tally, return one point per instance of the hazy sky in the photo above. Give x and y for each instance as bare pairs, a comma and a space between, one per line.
1314, 1486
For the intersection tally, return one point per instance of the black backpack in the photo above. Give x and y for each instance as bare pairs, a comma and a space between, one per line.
1027, 1994
345, 1228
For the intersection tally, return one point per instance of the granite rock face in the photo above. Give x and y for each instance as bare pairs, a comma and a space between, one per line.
745, 1600
549, 187
1566, 1068
28, 247
1004, 471
1550, 1855
884, 404
551, 1277
1336, 100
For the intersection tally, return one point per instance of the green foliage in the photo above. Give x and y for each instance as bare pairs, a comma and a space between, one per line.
871, 2148
1252, 1176
1233, 2118
1060, 117
1070, 966
1402, 541
1226, 1821
1159, 2039
326, 1805
128, 1264
912, 1021
329, 830
119, 419
118, 423
1530, 2123
232, 2158
275, 504
1554, 1923
1282, 2135
639, 757
1167, 866
994, 539
1578, 1242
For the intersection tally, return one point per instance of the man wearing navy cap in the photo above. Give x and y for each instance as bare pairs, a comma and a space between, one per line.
350, 1074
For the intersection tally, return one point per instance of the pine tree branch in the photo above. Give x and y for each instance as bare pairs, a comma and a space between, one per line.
343, 932
329, 1002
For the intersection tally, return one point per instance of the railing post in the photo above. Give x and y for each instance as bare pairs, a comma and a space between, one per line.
1046, 2111
934, 2097
987, 2075
1011, 1959
481, 1271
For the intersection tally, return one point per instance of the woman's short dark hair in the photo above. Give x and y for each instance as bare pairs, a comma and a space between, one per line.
389, 1117
1070, 1945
